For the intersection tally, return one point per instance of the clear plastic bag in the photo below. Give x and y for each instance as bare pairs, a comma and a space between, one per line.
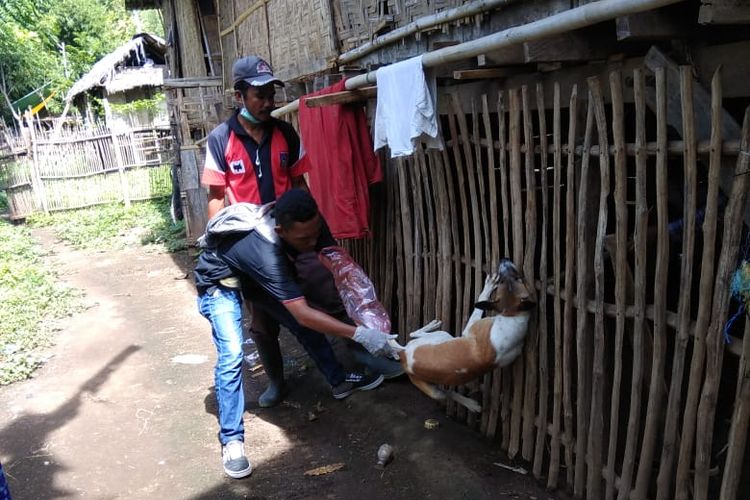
356, 289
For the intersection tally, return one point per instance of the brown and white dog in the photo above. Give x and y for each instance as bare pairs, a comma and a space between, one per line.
436, 357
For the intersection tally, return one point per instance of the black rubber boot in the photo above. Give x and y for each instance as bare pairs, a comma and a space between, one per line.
270, 356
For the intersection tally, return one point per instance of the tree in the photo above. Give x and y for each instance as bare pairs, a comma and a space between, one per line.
34, 32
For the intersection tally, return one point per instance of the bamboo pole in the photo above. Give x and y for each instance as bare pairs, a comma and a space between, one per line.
503, 172
568, 329
596, 419
583, 277
664, 479
621, 264
479, 199
740, 420
714, 338
504, 384
563, 22
654, 407
639, 299
494, 253
400, 254
517, 217
422, 24
529, 264
541, 436
464, 178
444, 235
704, 305
419, 294
492, 381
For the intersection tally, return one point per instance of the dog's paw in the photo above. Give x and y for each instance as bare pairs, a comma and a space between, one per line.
492, 280
432, 326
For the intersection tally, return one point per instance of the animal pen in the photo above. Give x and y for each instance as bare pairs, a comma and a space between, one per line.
614, 176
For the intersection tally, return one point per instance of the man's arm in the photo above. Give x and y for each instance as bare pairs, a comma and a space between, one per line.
317, 320
215, 199
376, 342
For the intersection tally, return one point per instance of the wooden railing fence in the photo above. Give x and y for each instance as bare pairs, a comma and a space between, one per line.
627, 387
85, 166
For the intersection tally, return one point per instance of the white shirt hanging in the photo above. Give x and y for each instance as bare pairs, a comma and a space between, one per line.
406, 108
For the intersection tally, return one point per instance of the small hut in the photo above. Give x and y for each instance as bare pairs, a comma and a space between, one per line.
128, 80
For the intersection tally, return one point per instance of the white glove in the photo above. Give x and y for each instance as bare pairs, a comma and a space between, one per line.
375, 341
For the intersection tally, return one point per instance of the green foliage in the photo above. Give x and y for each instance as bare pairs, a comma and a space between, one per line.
150, 104
32, 33
114, 226
32, 301
3, 202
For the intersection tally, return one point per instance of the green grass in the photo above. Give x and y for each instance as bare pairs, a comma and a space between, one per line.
113, 226
32, 300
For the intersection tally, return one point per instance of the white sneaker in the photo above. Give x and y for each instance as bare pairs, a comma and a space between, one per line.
236, 464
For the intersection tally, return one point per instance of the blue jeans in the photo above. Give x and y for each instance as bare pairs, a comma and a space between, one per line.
223, 309
315, 343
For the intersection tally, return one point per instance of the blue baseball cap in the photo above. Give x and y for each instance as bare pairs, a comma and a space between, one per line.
253, 70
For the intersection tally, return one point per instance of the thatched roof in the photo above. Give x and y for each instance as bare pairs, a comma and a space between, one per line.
142, 51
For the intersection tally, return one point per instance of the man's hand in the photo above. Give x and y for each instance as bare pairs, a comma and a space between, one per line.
375, 341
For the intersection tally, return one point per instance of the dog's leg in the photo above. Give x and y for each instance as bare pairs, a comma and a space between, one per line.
428, 328
440, 395
469, 403
490, 284
431, 390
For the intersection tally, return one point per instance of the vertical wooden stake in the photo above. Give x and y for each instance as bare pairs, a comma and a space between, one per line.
621, 269
583, 281
641, 227
596, 418
704, 306
517, 203
529, 265
568, 329
654, 408
541, 434
714, 337
664, 479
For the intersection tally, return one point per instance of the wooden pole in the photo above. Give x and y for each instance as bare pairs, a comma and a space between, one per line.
568, 328
596, 418
704, 306
554, 467
541, 434
621, 264
740, 420
517, 215
121, 169
714, 337
641, 228
654, 408
583, 280
529, 265
664, 479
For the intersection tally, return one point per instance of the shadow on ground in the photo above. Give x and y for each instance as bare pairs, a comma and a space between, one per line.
31, 432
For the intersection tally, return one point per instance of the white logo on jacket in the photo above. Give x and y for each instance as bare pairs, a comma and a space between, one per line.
237, 167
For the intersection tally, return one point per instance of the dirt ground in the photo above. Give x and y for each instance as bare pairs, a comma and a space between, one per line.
111, 415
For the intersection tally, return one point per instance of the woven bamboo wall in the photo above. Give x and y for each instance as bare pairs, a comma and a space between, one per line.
301, 40
626, 388
358, 20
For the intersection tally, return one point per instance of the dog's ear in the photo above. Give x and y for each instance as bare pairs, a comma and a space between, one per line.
485, 305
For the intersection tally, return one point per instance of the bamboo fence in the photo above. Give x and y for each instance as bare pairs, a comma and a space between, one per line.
624, 389
86, 166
